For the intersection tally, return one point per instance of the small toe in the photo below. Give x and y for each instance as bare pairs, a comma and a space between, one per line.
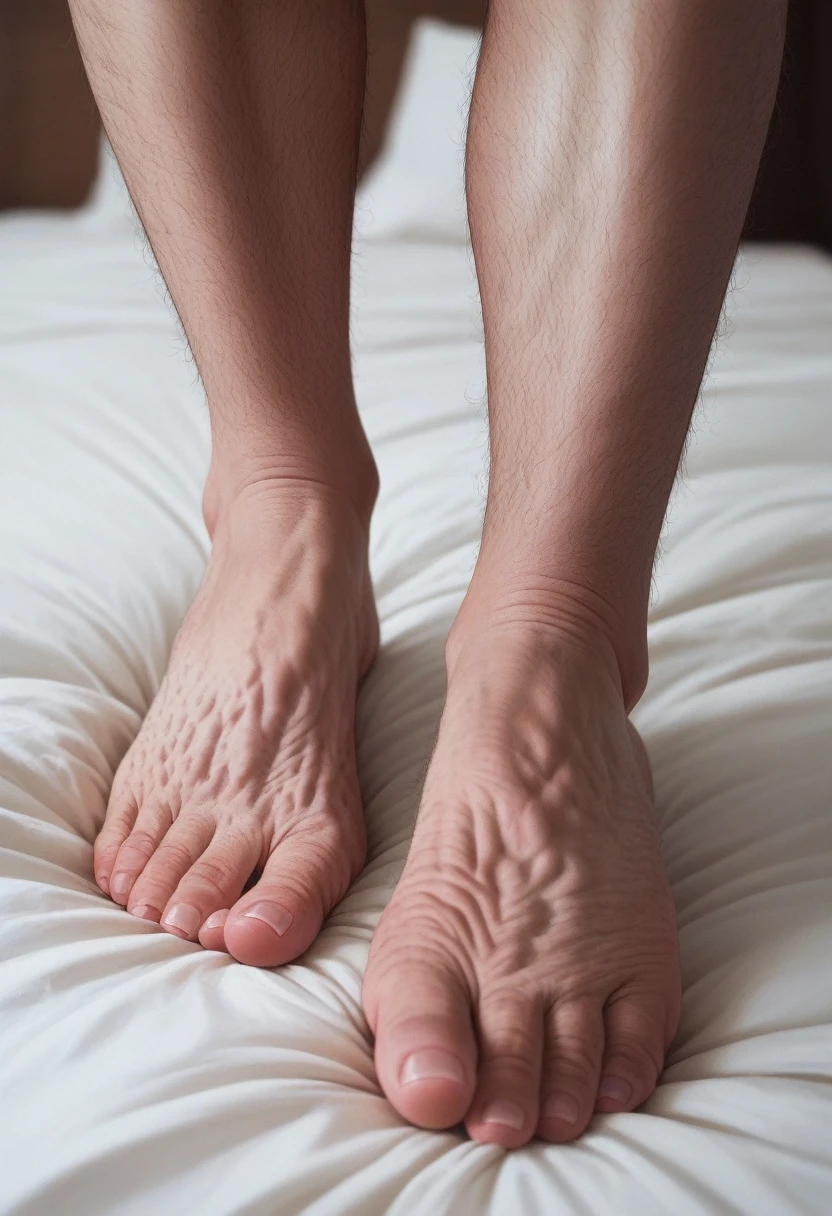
282, 914
505, 1106
122, 812
425, 1050
152, 822
213, 882
175, 854
633, 1055
573, 1047
211, 935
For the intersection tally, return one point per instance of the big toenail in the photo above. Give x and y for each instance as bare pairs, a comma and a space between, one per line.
432, 1064
560, 1106
612, 1087
507, 1113
120, 885
273, 915
185, 919
145, 912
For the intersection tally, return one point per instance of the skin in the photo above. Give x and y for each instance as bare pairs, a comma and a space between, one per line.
526, 970
247, 759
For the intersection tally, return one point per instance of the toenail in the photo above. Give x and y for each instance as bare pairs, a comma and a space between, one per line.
273, 915
184, 918
432, 1064
612, 1087
146, 912
507, 1113
120, 885
216, 920
561, 1106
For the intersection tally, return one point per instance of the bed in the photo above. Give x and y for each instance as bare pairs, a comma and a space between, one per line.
143, 1074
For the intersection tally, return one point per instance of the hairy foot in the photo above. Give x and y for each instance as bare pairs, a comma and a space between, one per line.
246, 760
526, 970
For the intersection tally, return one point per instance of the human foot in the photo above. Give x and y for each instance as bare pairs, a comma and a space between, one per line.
246, 759
526, 971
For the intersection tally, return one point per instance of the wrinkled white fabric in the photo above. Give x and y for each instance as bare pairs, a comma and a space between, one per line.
141, 1074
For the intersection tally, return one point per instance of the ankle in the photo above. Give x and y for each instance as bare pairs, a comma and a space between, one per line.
550, 618
309, 524
234, 482
266, 512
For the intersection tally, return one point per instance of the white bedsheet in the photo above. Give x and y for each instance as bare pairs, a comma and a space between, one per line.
141, 1074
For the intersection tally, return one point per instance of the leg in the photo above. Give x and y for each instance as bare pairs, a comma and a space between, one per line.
526, 970
236, 123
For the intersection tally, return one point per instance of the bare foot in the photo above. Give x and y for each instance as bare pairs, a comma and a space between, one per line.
246, 760
526, 970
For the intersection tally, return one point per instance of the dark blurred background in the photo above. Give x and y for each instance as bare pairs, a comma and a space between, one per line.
49, 127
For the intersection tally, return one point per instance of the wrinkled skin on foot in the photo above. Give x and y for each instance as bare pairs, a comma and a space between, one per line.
526, 972
246, 759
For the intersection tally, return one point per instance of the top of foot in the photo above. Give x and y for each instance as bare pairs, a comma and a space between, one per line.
525, 973
246, 760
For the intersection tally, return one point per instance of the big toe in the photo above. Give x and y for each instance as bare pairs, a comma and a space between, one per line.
425, 1051
283, 912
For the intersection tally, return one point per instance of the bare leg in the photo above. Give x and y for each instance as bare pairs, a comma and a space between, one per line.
236, 124
526, 970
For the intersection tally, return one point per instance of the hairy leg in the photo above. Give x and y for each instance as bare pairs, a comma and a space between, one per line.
525, 972
236, 124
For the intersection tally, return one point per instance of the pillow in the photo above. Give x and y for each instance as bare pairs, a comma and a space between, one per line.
416, 187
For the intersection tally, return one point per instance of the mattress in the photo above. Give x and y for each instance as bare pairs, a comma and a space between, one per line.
141, 1074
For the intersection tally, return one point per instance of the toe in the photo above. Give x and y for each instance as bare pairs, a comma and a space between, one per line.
283, 912
213, 882
212, 935
138, 846
177, 851
510, 1033
122, 811
574, 1043
425, 1051
633, 1055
